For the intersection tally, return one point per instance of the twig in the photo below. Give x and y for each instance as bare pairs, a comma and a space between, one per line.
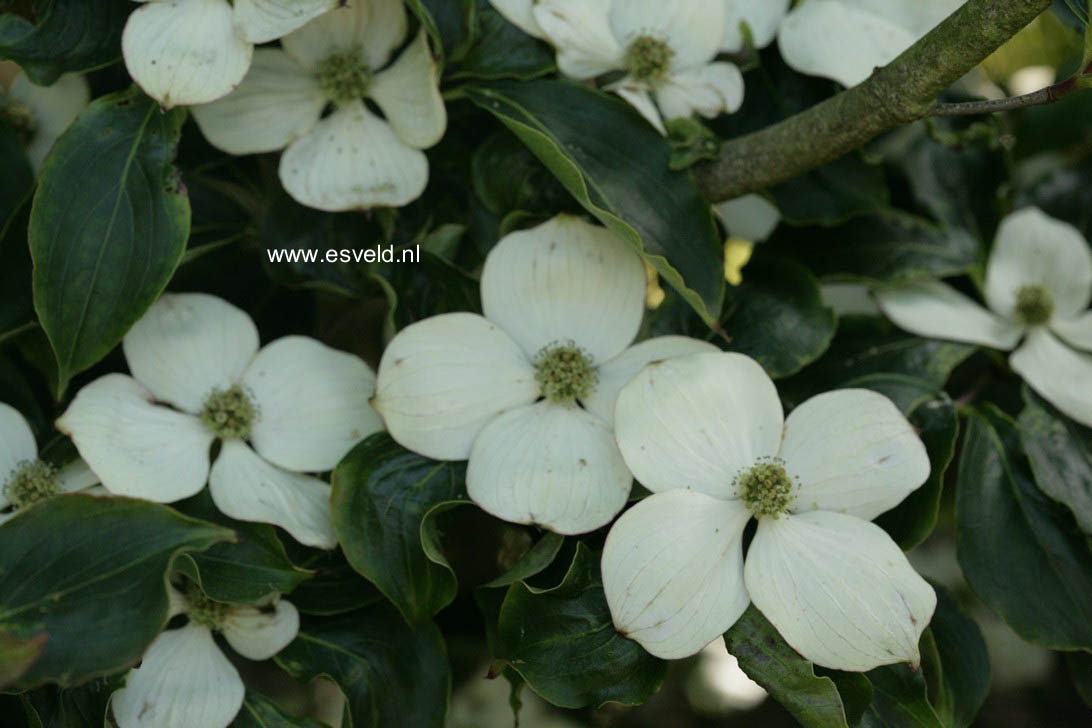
1047, 95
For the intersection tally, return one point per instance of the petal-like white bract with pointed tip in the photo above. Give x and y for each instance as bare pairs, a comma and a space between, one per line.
258, 633
697, 422
1075, 331
1034, 249
751, 217
137, 448
260, 21
673, 571
1061, 375
312, 403
936, 310
519, 13
709, 90
247, 487
580, 30
565, 280
277, 102
554, 465
53, 108
183, 681
637, 95
352, 160
189, 344
17, 443
838, 589
373, 29
852, 451
76, 476
408, 92
184, 52
763, 18
443, 379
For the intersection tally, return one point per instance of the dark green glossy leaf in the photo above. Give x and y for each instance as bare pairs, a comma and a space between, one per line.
777, 317
110, 600
1020, 551
381, 492
17, 301
334, 588
445, 21
18, 177
391, 675
508, 177
259, 711
768, 660
17, 655
84, 705
426, 288
616, 165
1063, 191
563, 643
964, 663
108, 226
1060, 452
832, 193
1080, 670
246, 571
71, 35
501, 50
899, 700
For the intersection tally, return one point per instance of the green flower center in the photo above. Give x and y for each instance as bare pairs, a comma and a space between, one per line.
31, 482
344, 77
766, 489
1034, 305
229, 413
565, 372
204, 611
648, 58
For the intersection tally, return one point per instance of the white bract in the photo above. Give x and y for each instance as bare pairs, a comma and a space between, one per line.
845, 40
527, 392
24, 478
750, 217
762, 19
664, 48
351, 158
1038, 289
184, 52
43, 112
184, 680
295, 406
706, 434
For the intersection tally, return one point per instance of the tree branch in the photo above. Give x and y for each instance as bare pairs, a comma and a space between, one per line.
899, 93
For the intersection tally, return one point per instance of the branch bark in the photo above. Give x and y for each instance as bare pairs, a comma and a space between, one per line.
901, 92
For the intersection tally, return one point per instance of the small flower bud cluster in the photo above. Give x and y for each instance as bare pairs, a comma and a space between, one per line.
648, 58
344, 77
766, 489
1034, 305
565, 372
229, 413
31, 482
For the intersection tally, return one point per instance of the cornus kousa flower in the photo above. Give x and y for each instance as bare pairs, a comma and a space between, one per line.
753, 21
184, 52
1038, 288
527, 391
294, 406
846, 40
24, 478
706, 434
184, 680
42, 113
664, 48
351, 158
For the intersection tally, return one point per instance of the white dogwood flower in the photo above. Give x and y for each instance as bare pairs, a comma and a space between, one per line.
846, 40
293, 407
25, 479
706, 434
43, 112
350, 159
665, 48
1038, 289
527, 391
184, 680
184, 52
761, 17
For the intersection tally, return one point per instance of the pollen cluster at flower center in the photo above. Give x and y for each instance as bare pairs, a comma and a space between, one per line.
31, 482
204, 611
766, 489
229, 413
1034, 305
344, 77
648, 58
565, 372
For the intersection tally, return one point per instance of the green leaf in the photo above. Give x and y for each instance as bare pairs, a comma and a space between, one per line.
259, 711
17, 302
85, 705
381, 493
964, 663
18, 177
1080, 670
768, 660
616, 166
18, 655
1060, 452
1020, 551
426, 288
563, 643
899, 700
777, 317
445, 22
508, 177
246, 571
108, 226
71, 35
832, 193
335, 588
501, 50
91, 573
391, 674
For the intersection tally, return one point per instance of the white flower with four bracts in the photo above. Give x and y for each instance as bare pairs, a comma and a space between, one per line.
43, 112
184, 52
706, 434
351, 158
1038, 289
664, 48
526, 392
184, 680
26, 479
293, 407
